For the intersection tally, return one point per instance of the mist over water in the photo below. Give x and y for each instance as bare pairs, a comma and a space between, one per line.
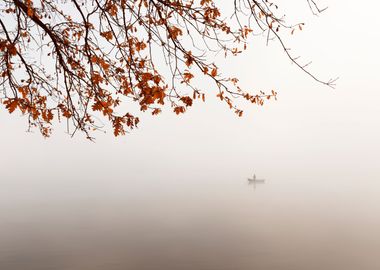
167, 222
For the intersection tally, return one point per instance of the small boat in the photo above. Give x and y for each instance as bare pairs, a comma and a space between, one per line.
256, 180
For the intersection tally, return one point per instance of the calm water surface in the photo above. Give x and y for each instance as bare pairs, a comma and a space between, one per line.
166, 222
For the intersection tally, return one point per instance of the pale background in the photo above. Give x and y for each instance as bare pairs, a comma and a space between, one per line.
175, 188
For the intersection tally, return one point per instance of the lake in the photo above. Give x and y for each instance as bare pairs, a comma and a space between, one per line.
190, 222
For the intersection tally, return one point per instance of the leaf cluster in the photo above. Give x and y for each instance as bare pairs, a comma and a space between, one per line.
86, 61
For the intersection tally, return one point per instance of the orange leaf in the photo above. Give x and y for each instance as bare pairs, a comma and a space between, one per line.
179, 110
107, 35
187, 101
156, 111
11, 105
189, 59
187, 76
214, 72
67, 114
47, 115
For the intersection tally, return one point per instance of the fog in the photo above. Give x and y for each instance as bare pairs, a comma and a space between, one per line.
173, 194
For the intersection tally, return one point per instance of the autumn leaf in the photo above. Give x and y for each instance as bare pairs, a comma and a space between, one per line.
66, 114
97, 78
140, 46
214, 72
107, 35
11, 104
12, 49
188, 101
47, 115
156, 111
220, 95
97, 106
189, 59
187, 76
112, 8
179, 110
174, 32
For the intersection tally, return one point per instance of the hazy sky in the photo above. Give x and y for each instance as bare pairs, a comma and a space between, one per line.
310, 126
